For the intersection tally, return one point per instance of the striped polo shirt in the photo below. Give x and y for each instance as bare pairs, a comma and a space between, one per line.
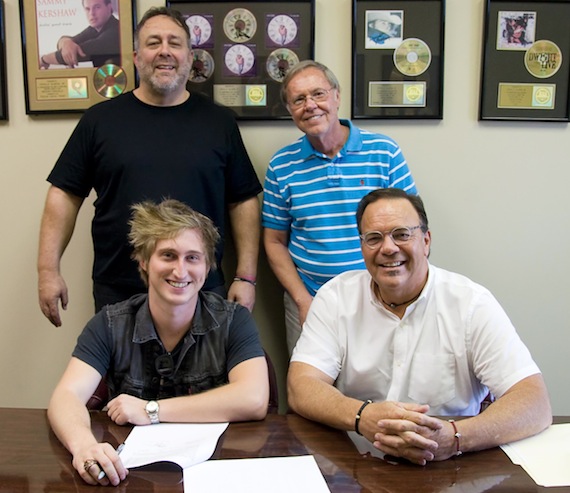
314, 197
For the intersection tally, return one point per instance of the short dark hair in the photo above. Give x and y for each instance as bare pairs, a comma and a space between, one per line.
107, 2
304, 65
173, 14
392, 193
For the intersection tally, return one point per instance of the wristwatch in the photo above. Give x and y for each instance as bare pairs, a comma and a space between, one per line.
151, 409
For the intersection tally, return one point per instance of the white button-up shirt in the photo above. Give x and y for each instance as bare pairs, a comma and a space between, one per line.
453, 344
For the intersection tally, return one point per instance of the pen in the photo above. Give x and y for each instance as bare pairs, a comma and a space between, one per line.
102, 474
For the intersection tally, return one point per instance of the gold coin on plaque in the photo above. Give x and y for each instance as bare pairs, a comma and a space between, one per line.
110, 80
412, 57
543, 59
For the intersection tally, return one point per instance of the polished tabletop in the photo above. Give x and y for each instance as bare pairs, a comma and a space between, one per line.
32, 460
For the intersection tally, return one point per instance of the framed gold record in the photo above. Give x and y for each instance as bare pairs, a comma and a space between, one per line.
525, 74
412, 57
54, 83
397, 62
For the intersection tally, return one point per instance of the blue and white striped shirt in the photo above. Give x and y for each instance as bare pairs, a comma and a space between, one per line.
314, 197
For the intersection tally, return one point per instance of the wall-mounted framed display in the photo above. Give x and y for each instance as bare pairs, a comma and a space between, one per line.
73, 60
243, 50
397, 58
3, 82
526, 61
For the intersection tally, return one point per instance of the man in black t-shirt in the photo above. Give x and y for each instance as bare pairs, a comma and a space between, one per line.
155, 142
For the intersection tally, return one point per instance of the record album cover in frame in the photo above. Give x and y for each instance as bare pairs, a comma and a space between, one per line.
3, 83
243, 50
72, 59
526, 61
397, 64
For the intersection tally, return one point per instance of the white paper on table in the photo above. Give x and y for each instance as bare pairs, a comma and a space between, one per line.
184, 444
276, 474
545, 457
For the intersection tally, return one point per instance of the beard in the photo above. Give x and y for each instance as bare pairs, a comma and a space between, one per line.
164, 85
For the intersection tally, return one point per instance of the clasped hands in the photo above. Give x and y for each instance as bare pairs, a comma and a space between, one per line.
405, 430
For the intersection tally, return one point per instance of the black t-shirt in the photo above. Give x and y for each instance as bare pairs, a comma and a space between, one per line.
128, 151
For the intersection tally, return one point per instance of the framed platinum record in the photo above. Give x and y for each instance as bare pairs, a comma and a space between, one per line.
243, 50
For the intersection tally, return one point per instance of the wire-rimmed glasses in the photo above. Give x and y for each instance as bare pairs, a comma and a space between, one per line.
399, 235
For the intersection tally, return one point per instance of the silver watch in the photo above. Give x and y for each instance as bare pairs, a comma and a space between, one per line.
151, 409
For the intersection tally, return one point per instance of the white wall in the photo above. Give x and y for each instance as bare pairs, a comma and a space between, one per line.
494, 193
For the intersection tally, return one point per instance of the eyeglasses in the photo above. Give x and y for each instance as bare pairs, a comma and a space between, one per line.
399, 235
318, 96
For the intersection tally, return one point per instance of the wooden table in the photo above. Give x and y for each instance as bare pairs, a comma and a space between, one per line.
32, 460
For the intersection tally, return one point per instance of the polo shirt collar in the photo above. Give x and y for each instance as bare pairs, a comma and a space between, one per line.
352, 144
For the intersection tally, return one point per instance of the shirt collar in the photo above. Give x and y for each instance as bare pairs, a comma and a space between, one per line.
423, 295
203, 321
352, 144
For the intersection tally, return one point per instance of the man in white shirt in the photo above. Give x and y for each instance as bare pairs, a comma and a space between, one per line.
383, 347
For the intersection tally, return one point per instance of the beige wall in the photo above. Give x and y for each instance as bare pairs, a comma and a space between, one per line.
494, 194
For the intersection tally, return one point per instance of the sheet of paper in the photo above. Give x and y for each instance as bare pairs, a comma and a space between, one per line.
545, 457
184, 444
276, 474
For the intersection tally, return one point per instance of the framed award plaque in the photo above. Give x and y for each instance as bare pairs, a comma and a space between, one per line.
243, 50
73, 59
397, 64
3, 87
526, 61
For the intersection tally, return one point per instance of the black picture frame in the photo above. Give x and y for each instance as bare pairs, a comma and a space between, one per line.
397, 59
3, 76
525, 61
57, 88
250, 30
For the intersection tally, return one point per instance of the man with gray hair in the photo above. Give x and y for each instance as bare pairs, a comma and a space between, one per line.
312, 188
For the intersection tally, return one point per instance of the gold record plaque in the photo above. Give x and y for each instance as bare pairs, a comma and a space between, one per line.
412, 57
110, 80
543, 59
240, 25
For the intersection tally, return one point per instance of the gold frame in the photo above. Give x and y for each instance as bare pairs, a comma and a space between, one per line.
73, 89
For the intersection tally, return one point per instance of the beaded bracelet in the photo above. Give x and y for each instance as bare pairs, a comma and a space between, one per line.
245, 279
358, 414
457, 436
